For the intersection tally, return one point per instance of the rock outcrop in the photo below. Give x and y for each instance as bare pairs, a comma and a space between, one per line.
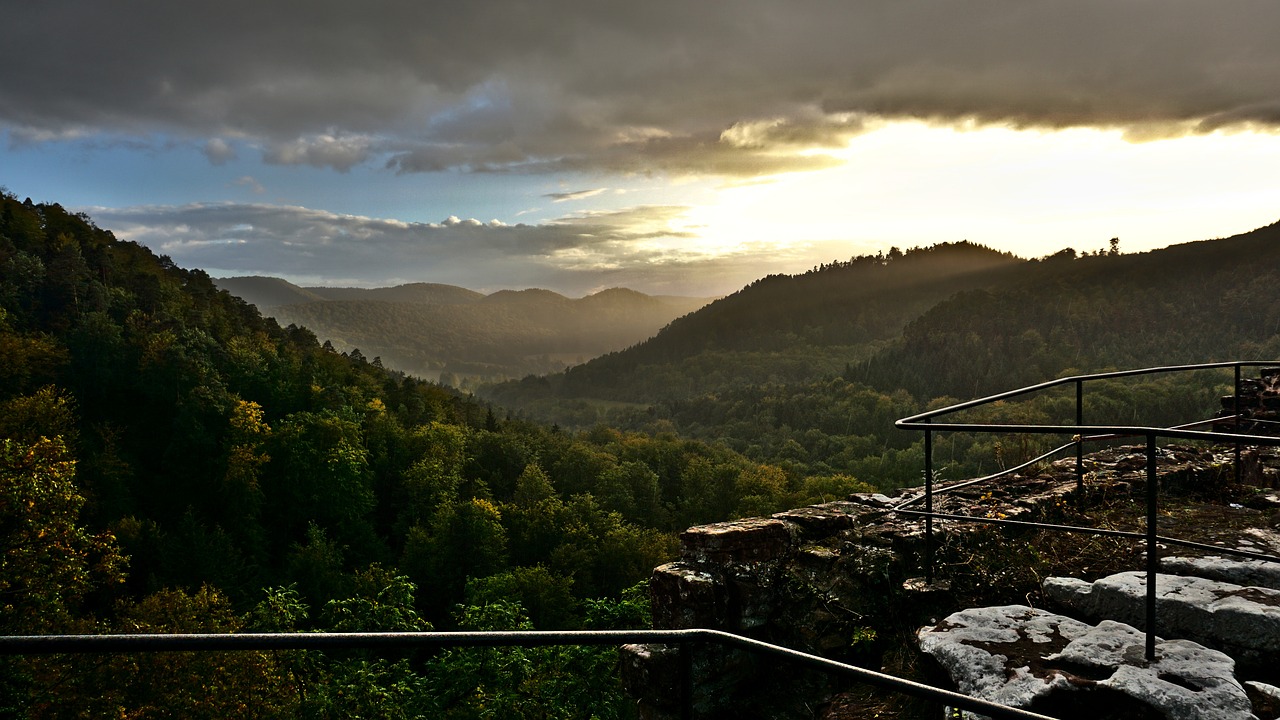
842, 580
819, 579
1035, 660
1244, 621
1255, 573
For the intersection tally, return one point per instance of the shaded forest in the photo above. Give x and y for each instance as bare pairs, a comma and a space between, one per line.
173, 461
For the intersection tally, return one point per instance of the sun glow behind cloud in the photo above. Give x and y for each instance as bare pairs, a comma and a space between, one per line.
1029, 192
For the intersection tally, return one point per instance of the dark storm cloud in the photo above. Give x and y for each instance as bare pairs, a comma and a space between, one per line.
574, 254
720, 88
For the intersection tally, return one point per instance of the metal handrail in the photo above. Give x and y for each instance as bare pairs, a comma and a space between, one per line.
66, 644
925, 421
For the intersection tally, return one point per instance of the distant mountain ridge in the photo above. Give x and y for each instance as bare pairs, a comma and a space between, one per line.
956, 321
462, 336
836, 309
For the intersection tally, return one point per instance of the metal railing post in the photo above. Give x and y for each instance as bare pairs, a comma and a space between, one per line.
1079, 436
1153, 552
928, 506
1236, 412
686, 681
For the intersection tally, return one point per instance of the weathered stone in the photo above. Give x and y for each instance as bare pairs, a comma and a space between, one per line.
1032, 659
1264, 501
876, 500
685, 597
752, 602
1256, 573
654, 672
654, 675
750, 540
1217, 614
815, 578
987, 651
1265, 698
921, 586
1130, 463
1187, 680
823, 520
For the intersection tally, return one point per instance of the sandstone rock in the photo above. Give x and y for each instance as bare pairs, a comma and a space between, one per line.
1256, 573
749, 540
1222, 615
1028, 658
876, 500
1264, 501
686, 597
1266, 699
823, 520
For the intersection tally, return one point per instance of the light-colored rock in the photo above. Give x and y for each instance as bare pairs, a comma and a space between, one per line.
1266, 699
983, 650
1187, 680
1248, 573
1214, 613
1027, 658
1269, 691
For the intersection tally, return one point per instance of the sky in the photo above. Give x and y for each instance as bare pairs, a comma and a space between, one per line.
671, 147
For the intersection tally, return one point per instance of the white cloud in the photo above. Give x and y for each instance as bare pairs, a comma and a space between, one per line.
218, 151
326, 150
247, 181
571, 255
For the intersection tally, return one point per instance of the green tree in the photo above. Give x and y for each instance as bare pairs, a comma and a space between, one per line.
466, 539
203, 685
547, 597
50, 563
319, 473
532, 486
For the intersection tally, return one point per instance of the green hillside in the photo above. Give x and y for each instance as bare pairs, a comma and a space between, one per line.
171, 461
809, 371
1195, 302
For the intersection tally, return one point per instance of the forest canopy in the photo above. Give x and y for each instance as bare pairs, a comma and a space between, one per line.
191, 466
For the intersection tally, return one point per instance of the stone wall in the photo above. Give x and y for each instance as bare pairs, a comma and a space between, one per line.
825, 579
836, 579
1257, 401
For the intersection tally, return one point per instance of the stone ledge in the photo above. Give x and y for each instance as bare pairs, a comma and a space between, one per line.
1242, 620
1256, 573
748, 540
1035, 660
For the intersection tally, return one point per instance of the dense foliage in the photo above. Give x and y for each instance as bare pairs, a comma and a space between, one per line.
172, 461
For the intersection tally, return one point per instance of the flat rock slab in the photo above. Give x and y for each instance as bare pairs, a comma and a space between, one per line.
1035, 660
740, 541
1246, 573
1223, 615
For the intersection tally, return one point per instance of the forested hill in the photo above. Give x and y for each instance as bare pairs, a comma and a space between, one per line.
784, 326
464, 337
810, 371
842, 303
954, 319
267, 293
171, 461
1189, 303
